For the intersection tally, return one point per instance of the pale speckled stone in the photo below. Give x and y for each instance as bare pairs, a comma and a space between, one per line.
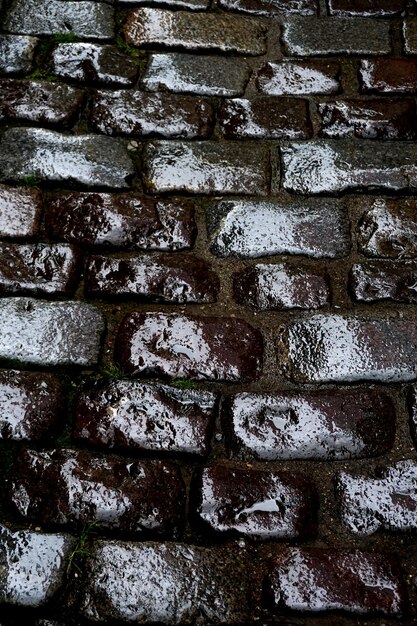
16, 53
191, 5
410, 36
271, 7
297, 78
20, 211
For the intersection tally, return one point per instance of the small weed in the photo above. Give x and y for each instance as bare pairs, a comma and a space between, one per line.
42, 75
112, 370
65, 38
127, 48
29, 181
182, 383
82, 549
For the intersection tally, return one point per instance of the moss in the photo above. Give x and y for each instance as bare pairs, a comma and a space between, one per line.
112, 370
65, 38
42, 75
181, 383
26, 181
130, 50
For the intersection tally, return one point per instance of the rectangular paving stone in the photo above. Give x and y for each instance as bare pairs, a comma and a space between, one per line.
409, 36
141, 114
375, 281
130, 221
309, 425
20, 212
308, 36
335, 166
203, 75
49, 333
181, 346
131, 415
310, 227
272, 7
149, 27
206, 167
395, 75
366, 8
298, 78
191, 5
349, 348
16, 53
50, 156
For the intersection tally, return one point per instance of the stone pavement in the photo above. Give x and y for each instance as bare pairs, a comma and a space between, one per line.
208, 337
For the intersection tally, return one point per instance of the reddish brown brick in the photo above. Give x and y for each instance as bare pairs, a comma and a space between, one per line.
366, 8
388, 76
374, 281
20, 212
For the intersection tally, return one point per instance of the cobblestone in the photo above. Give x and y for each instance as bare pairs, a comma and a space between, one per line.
20, 212
410, 36
376, 281
388, 228
16, 53
274, 7
298, 78
388, 76
366, 8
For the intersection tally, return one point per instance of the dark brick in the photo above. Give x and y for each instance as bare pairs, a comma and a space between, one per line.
309, 425
178, 279
138, 416
388, 76
369, 119
200, 348
130, 221
325, 579
376, 281
265, 118
298, 78
281, 286
20, 212
31, 405
388, 228
366, 8
141, 114
258, 504
16, 53
274, 7
73, 487
388, 501
410, 36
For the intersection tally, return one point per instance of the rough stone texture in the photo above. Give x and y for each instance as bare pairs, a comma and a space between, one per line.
334, 166
388, 76
282, 286
410, 36
325, 579
192, 5
308, 36
369, 119
38, 268
31, 405
94, 63
20, 212
258, 504
138, 416
195, 31
87, 19
412, 406
376, 281
388, 228
265, 118
200, 348
309, 425
16, 53
73, 487
130, 221
257, 228
388, 501
141, 114
178, 279
206, 167
49, 333
343, 348
366, 8
271, 7
298, 78
203, 75
85, 159
166, 583
32, 566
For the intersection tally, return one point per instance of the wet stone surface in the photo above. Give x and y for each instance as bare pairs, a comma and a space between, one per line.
20, 212
366, 8
193, 5
388, 501
388, 228
130, 221
258, 504
298, 78
16, 53
325, 579
177, 279
180, 346
410, 36
271, 7
132, 415
388, 76
309, 425
376, 281
75, 488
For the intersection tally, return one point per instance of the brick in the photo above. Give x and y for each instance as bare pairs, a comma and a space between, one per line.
180, 346
31, 405
410, 36
308, 36
130, 221
137, 416
72, 487
51, 156
178, 279
265, 118
140, 114
321, 425
282, 286
375, 281
388, 76
258, 504
342, 348
335, 166
206, 168
87, 19
94, 64
49, 333
366, 8
195, 31
16, 53
369, 119
202, 75
387, 501
315, 228
166, 583
388, 228
20, 212
298, 78
325, 579
275, 7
